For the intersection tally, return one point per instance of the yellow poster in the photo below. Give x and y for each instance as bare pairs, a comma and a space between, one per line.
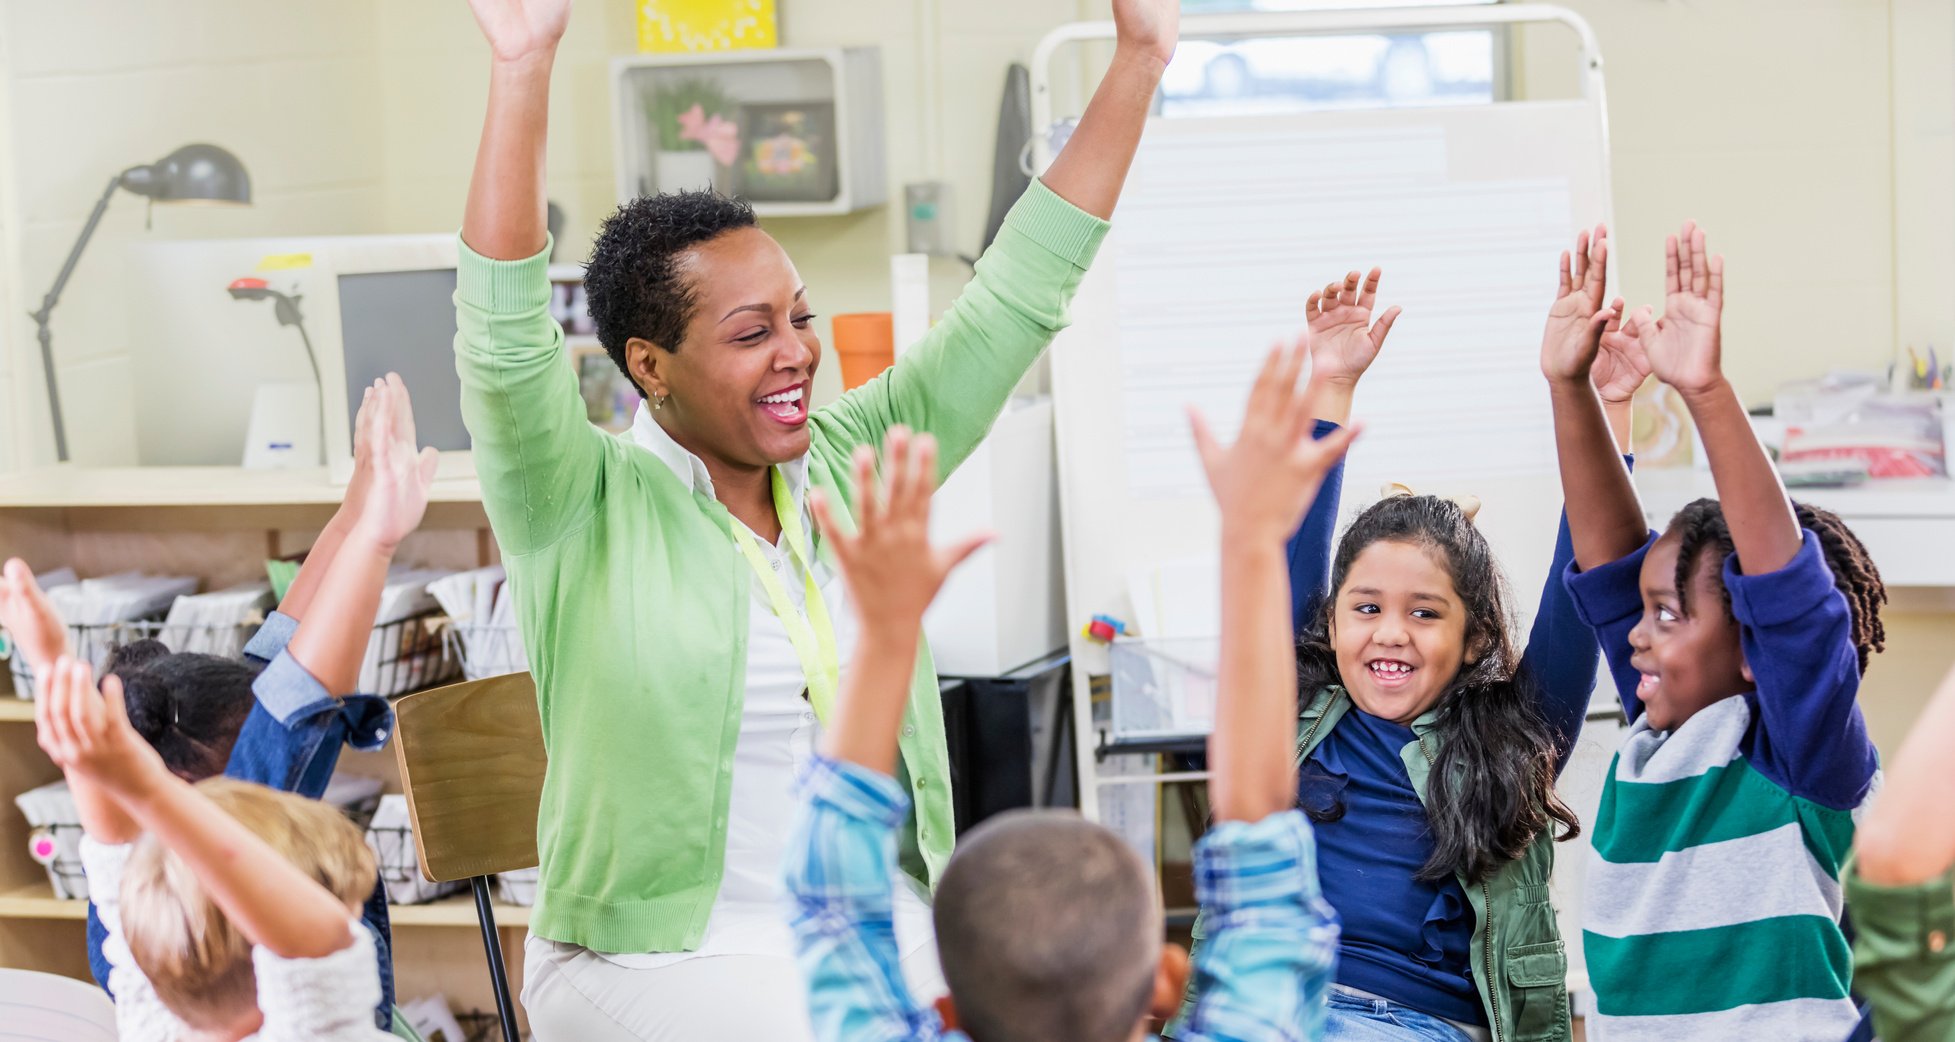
706, 25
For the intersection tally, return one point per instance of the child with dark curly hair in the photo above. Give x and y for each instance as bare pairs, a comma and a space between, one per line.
1737, 638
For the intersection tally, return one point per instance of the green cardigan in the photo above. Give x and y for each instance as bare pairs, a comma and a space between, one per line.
633, 598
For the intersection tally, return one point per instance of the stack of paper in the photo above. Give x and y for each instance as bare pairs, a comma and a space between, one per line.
216, 623
123, 597
482, 615
405, 657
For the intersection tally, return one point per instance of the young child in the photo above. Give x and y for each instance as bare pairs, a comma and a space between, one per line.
1901, 885
232, 910
1049, 927
1428, 749
280, 716
1737, 640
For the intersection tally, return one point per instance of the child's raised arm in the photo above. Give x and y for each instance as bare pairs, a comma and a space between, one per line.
38, 633
270, 900
1908, 836
893, 573
1263, 483
1605, 520
1685, 352
332, 641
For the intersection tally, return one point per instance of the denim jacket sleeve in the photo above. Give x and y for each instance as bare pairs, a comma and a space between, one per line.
292, 737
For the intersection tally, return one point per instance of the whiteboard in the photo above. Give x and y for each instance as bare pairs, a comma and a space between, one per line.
1225, 227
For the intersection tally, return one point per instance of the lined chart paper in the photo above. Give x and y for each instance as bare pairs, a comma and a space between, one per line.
1221, 238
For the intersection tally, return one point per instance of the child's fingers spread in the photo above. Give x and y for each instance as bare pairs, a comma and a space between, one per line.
1581, 255
1716, 292
926, 467
961, 550
1567, 276
1312, 308
430, 462
895, 466
831, 530
1670, 272
1370, 294
864, 468
1206, 446
115, 709
1330, 295
1383, 326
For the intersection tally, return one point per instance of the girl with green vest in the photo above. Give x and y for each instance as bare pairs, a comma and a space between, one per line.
1428, 746
684, 625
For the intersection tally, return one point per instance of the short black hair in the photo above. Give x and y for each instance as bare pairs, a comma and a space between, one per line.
1048, 927
189, 706
636, 280
1701, 530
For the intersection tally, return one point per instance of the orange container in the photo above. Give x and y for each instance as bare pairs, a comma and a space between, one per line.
866, 343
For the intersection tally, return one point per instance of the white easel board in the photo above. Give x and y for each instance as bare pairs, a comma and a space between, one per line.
1225, 227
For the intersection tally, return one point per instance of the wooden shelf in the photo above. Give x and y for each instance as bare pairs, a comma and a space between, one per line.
37, 901
16, 710
69, 487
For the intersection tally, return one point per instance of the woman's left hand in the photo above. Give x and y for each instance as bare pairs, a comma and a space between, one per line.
1150, 27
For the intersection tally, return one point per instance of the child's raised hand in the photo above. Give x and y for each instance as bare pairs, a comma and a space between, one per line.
1576, 321
1265, 481
1343, 339
1684, 346
1622, 365
29, 618
892, 570
86, 731
400, 477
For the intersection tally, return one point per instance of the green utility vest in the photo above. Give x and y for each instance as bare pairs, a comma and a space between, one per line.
1520, 964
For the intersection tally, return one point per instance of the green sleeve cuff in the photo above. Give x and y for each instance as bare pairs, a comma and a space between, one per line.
1903, 921
1063, 229
499, 286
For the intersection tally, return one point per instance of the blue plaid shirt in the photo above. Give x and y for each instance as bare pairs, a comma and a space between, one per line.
1261, 976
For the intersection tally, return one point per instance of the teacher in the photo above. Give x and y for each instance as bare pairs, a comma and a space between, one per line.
683, 621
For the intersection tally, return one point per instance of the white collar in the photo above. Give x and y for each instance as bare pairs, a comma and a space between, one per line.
648, 435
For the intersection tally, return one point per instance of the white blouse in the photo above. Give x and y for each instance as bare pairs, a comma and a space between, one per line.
778, 736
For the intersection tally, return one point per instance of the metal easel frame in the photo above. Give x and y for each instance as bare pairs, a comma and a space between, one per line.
1090, 745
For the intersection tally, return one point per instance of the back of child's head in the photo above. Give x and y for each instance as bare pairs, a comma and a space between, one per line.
198, 962
1049, 928
1491, 788
189, 706
1701, 530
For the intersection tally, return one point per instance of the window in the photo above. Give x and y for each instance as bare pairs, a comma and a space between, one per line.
1218, 77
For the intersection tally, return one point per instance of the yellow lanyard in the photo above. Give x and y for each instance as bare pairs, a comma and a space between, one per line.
812, 635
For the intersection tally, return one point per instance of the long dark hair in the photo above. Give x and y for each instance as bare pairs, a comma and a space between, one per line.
1492, 783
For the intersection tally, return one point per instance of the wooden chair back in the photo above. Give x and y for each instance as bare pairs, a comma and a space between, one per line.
471, 758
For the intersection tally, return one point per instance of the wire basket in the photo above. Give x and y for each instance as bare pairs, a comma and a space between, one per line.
1163, 689
391, 837
409, 655
96, 643
54, 837
487, 649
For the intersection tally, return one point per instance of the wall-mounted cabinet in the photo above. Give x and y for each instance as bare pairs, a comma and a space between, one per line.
798, 133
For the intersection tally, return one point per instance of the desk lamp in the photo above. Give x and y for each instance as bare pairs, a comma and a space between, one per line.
193, 173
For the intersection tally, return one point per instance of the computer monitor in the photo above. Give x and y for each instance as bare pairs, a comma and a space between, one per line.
371, 304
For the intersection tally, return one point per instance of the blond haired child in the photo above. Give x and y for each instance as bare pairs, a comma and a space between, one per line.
232, 910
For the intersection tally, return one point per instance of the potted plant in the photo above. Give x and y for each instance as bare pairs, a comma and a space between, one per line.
697, 139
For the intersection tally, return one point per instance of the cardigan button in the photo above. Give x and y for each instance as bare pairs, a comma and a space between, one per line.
923, 783
909, 731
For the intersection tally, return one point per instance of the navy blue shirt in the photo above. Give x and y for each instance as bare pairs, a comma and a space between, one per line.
1404, 939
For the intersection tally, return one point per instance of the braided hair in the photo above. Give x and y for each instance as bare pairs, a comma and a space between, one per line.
1701, 529
1492, 788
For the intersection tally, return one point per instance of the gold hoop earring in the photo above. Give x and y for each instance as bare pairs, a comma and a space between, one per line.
658, 401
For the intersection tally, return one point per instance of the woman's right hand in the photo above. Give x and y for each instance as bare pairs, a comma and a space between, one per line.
518, 29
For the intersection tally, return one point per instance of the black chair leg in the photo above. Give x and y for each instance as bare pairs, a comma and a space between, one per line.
492, 945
